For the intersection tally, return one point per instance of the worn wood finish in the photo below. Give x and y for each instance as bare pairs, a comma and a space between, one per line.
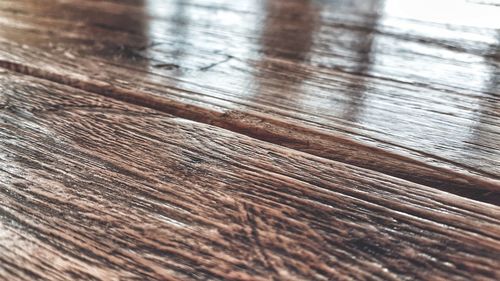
96, 189
406, 92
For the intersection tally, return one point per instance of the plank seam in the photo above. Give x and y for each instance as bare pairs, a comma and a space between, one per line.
267, 129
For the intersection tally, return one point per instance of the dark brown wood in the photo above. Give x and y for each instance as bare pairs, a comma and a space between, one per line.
386, 86
96, 189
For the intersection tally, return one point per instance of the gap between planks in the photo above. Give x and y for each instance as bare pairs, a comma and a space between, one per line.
289, 135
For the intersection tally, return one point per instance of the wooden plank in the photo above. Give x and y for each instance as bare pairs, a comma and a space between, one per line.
403, 93
96, 189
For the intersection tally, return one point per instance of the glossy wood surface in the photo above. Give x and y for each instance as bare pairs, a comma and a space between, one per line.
401, 87
249, 140
96, 189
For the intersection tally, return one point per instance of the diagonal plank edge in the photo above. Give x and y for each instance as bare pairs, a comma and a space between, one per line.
97, 189
330, 70
286, 133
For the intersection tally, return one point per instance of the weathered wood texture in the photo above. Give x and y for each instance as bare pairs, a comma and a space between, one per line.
96, 189
393, 86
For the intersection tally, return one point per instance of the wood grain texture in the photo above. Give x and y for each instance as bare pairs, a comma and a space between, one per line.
96, 189
387, 86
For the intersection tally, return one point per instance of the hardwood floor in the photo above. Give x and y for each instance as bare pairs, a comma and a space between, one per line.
249, 140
